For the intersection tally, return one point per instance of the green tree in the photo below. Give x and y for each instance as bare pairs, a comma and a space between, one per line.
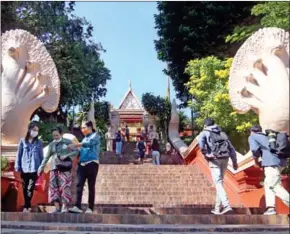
209, 85
159, 107
102, 114
268, 14
189, 30
69, 40
184, 121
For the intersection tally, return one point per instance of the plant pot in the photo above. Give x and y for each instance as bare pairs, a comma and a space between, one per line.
5, 182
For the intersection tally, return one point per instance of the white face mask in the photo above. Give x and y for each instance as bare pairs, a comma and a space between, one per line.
57, 141
33, 133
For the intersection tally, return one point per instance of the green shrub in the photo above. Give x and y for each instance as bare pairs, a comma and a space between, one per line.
4, 163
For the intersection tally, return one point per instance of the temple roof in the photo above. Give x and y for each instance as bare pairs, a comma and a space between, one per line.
130, 101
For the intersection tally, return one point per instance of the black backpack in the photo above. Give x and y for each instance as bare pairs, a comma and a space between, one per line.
279, 143
141, 146
219, 144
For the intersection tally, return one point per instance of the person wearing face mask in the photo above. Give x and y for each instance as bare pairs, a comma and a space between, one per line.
60, 176
88, 166
28, 159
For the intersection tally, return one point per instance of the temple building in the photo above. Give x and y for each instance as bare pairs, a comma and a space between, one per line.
131, 113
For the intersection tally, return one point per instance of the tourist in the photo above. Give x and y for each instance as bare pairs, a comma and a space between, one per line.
141, 146
28, 159
123, 137
119, 144
127, 132
88, 166
60, 176
272, 164
217, 149
155, 152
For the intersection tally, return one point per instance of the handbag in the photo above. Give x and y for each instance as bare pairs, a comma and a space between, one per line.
63, 164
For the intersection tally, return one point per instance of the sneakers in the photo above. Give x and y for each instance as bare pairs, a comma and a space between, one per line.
270, 211
89, 211
226, 210
216, 211
25, 210
75, 210
64, 209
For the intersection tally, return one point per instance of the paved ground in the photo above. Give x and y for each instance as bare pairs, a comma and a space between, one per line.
13, 231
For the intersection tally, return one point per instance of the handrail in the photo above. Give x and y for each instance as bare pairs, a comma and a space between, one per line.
244, 161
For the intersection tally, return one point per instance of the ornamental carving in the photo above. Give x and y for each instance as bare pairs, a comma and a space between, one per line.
130, 102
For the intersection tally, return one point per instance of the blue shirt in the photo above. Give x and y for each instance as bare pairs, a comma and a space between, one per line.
91, 148
259, 145
29, 156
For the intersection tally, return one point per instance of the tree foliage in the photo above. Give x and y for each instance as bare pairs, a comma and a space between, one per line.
209, 85
102, 111
189, 30
183, 121
269, 14
69, 40
159, 107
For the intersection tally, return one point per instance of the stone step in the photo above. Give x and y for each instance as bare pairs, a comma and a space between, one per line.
118, 209
73, 228
143, 184
146, 219
165, 170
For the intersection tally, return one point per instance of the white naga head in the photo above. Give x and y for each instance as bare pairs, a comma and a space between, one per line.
29, 81
259, 78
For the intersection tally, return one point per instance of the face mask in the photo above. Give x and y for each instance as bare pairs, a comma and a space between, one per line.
57, 141
85, 131
33, 133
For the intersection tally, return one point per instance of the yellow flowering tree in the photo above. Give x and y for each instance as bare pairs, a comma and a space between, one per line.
208, 84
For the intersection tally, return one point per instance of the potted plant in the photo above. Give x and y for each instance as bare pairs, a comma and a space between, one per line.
4, 181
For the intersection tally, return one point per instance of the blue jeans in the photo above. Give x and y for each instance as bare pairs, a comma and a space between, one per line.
156, 157
218, 168
118, 147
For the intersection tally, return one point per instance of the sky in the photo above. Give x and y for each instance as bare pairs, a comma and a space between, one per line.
126, 31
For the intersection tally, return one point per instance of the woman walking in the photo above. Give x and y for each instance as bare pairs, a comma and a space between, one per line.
28, 159
119, 144
155, 152
60, 176
88, 166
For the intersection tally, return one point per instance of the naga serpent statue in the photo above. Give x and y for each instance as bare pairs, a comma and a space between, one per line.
259, 78
259, 81
29, 81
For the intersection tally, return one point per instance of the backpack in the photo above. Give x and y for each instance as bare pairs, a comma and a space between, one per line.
141, 146
219, 144
279, 143
118, 138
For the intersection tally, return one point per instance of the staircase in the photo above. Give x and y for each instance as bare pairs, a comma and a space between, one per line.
131, 198
129, 156
152, 185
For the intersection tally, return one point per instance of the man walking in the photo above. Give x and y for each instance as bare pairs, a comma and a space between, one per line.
217, 149
272, 162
